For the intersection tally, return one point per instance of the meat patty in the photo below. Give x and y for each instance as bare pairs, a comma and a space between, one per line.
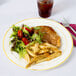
49, 35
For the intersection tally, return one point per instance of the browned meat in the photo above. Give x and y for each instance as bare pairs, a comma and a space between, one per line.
49, 35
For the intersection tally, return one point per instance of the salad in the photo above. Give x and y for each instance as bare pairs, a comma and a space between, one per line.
23, 37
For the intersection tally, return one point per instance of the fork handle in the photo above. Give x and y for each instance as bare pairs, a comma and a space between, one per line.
72, 29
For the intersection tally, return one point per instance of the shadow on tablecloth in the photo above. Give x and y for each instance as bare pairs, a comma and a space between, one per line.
3, 2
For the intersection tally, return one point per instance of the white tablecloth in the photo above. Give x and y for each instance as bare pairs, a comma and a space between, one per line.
12, 11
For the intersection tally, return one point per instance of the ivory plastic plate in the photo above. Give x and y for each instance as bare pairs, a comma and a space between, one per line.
66, 44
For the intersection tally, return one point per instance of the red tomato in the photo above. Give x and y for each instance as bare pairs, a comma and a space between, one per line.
25, 41
22, 27
26, 29
20, 34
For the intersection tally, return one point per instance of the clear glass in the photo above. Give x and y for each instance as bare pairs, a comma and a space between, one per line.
45, 7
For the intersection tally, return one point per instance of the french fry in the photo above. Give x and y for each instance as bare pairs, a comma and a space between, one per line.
27, 58
43, 51
31, 53
35, 48
35, 59
43, 54
52, 56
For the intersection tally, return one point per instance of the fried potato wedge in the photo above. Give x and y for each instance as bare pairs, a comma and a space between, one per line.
44, 54
35, 59
35, 48
31, 53
42, 58
27, 58
52, 56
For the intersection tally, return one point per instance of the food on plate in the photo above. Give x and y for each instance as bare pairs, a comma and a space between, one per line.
44, 52
35, 44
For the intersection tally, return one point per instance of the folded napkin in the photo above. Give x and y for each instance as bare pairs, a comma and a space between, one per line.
72, 32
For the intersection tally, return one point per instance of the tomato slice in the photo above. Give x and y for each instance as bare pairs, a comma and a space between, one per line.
20, 34
26, 29
22, 27
25, 41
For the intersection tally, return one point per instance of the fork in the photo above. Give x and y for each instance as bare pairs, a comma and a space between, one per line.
66, 24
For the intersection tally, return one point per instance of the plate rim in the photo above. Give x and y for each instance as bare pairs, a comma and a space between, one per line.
38, 69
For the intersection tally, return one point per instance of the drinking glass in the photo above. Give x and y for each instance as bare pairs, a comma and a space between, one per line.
45, 7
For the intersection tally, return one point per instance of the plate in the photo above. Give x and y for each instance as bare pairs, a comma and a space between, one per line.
66, 44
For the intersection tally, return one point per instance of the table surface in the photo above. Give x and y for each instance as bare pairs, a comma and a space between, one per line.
12, 11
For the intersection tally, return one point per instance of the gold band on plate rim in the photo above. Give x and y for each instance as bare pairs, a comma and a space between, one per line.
38, 69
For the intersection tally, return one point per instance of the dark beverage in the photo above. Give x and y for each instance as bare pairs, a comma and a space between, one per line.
45, 7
